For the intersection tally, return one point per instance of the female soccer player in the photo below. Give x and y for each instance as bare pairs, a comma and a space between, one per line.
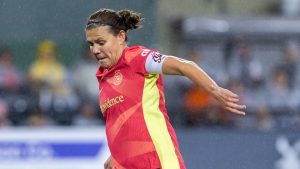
131, 99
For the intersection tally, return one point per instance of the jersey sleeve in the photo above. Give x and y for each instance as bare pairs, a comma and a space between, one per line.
149, 62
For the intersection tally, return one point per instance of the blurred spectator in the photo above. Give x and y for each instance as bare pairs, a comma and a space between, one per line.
46, 71
283, 101
196, 102
4, 121
36, 120
228, 50
19, 107
295, 104
86, 85
279, 98
291, 8
177, 87
12, 87
49, 81
264, 118
279, 94
88, 116
85, 80
284, 94
10, 77
246, 68
289, 63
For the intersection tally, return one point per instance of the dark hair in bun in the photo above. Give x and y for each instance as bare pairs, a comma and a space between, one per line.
117, 20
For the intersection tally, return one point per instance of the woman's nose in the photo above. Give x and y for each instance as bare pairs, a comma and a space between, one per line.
95, 49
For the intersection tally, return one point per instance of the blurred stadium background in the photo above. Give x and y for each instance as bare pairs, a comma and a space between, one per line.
49, 116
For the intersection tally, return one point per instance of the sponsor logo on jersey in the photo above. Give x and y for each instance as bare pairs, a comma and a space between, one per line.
111, 102
118, 78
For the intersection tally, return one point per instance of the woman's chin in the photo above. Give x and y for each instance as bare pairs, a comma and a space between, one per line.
103, 64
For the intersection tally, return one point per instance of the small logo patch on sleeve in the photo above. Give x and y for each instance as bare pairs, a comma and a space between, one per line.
157, 57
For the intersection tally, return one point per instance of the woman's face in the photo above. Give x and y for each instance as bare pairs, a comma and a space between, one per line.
106, 47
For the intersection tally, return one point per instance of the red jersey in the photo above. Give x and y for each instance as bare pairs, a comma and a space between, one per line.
132, 101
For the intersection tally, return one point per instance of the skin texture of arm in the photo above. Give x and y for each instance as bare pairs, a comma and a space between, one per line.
177, 66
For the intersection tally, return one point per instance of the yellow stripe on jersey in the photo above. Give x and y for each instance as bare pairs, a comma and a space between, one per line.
157, 126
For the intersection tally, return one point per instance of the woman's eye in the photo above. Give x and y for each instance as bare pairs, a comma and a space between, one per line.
101, 43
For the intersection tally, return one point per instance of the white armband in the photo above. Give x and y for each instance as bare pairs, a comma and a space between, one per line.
154, 62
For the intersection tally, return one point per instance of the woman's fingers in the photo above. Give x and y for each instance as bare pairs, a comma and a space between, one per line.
235, 106
235, 111
231, 94
235, 100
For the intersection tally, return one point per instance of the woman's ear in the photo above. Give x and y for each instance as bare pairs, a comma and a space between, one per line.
122, 35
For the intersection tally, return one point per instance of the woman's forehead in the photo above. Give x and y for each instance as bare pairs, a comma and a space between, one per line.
98, 32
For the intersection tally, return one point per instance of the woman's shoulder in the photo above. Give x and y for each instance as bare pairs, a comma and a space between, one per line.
135, 48
134, 52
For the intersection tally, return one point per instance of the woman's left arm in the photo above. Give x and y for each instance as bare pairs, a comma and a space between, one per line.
177, 66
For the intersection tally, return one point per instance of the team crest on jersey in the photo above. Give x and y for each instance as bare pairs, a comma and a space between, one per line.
118, 78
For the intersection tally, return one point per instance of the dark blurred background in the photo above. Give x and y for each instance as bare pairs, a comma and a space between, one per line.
47, 75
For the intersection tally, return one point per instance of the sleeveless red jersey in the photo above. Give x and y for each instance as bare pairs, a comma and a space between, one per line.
132, 101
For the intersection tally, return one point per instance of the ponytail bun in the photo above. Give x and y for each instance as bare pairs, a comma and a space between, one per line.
131, 19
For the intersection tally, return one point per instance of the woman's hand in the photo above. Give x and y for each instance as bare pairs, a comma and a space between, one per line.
228, 100
108, 163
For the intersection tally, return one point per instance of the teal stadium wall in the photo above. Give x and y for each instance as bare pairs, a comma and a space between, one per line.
25, 23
